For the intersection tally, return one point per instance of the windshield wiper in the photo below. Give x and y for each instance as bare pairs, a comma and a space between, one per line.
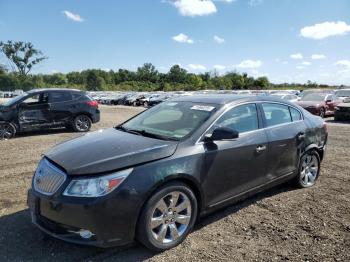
145, 133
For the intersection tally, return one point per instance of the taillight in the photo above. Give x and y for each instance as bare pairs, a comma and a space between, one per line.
325, 127
92, 103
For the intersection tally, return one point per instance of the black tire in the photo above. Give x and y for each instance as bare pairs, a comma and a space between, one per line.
7, 131
303, 180
322, 112
145, 233
82, 123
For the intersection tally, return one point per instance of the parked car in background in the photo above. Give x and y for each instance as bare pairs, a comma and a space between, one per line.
342, 94
320, 104
287, 97
155, 100
48, 108
152, 176
342, 110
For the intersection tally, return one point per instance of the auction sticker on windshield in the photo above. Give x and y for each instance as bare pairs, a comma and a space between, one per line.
203, 108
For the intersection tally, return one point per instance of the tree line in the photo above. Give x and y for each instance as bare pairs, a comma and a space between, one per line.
22, 57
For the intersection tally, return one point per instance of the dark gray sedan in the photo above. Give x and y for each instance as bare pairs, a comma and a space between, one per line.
151, 177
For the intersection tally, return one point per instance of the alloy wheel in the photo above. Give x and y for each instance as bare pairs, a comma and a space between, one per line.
82, 123
6, 131
309, 170
170, 217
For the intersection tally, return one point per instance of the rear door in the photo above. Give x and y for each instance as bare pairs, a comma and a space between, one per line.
61, 106
285, 130
34, 111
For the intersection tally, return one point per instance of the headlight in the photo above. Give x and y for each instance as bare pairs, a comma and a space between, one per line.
96, 187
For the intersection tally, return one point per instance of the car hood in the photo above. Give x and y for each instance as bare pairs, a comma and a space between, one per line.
308, 103
108, 150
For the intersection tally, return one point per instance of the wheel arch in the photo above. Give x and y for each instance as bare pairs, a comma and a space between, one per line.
319, 150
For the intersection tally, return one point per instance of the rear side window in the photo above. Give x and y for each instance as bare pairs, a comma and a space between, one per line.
56, 97
276, 114
295, 114
242, 118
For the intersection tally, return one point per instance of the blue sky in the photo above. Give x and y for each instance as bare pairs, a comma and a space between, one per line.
286, 40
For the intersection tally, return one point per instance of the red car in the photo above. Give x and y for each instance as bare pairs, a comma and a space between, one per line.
319, 104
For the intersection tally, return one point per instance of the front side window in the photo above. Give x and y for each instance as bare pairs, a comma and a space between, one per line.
36, 99
170, 120
242, 118
276, 114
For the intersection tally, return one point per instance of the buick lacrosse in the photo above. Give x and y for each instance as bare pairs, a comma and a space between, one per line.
153, 176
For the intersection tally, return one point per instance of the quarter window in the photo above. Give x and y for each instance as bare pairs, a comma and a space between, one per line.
242, 118
276, 114
295, 114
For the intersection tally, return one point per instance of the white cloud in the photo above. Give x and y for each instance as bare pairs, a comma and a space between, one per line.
196, 67
306, 63
318, 56
219, 67
255, 2
296, 56
343, 64
226, 1
182, 38
250, 64
218, 39
326, 29
300, 67
74, 17
195, 7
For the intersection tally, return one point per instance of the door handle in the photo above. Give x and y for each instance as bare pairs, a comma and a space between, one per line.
301, 136
259, 149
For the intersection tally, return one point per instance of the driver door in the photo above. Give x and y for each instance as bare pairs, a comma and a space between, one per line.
34, 111
235, 166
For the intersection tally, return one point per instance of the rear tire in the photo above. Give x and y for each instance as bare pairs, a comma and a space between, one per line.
309, 169
168, 217
7, 131
82, 123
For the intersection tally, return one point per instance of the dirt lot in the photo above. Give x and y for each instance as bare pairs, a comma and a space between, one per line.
280, 224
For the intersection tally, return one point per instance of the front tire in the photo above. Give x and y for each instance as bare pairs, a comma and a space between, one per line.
168, 217
309, 169
7, 131
82, 123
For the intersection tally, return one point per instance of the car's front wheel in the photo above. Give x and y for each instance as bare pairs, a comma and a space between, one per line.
7, 130
309, 169
168, 217
82, 123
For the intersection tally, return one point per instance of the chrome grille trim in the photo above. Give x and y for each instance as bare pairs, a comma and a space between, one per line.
48, 178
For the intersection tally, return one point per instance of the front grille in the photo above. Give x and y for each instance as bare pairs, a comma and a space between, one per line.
48, 178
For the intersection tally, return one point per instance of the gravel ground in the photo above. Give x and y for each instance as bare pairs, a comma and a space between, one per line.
280, 224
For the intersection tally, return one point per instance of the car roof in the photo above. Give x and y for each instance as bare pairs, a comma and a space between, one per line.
223, 99
53, 89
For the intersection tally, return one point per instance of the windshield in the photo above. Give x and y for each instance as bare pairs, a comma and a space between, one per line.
14, 100
314, 97
344, 93
170, 120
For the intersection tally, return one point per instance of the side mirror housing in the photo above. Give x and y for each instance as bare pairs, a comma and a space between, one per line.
222, 133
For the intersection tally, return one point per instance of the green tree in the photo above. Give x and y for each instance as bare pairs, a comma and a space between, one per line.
262, 82
147, 73
177, 74
94, 82
22, 56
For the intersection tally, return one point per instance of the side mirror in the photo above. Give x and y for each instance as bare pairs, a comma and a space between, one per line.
222, 133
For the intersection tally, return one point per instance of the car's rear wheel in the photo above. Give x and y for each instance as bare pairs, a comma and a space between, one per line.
7, 131
309, 169
168, 217
82, 123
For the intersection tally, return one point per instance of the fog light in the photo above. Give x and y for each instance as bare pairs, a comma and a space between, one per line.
85, 233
